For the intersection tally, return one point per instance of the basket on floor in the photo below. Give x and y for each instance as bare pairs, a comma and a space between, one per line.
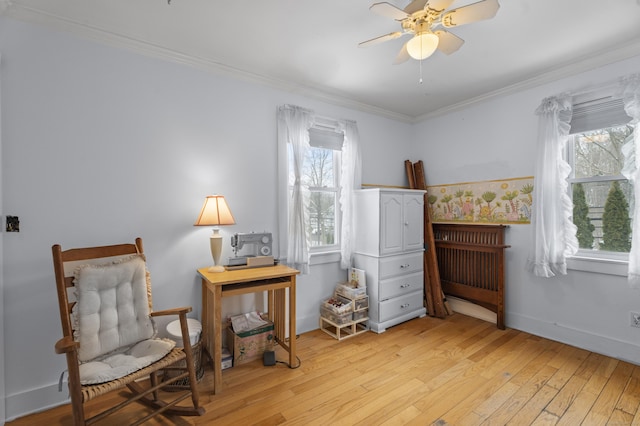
196, 351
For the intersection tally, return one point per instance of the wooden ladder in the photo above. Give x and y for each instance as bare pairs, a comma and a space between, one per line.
435, 301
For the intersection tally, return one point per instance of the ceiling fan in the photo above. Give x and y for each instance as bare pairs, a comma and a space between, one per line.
427, 20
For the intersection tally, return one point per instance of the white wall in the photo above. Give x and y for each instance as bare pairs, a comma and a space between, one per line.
496, 140
102, 145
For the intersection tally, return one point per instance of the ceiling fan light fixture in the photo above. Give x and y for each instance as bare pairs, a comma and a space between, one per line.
422, 45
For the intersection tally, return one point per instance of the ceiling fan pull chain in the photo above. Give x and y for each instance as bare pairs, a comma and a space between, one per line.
421, 61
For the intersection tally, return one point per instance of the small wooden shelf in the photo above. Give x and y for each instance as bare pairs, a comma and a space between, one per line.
344, 331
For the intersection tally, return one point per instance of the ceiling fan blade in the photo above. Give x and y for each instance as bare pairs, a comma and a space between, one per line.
479, 11
415, 6
448, 43
403, 55
388, 10
438, 6
380, 39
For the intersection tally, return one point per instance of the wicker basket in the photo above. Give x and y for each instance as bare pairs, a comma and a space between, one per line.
196, 351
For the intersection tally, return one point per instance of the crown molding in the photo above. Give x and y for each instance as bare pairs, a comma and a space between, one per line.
29, 14
583, 64
144, 47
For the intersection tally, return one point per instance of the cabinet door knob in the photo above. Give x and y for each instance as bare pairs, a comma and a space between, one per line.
406, 265
404, 306
406, 224
405, 285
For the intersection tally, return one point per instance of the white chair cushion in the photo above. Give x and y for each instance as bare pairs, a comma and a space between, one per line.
120, 364
112, 307
112, 320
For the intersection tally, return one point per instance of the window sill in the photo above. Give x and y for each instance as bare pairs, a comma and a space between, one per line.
603, 264
322, 257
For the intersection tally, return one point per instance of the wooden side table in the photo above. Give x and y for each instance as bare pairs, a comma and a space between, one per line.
275, 280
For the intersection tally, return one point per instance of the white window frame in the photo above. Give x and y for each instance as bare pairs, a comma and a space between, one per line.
328, 138
584, 119
325, 133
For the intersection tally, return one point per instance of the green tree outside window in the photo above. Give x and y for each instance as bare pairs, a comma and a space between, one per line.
581, 218
616, 228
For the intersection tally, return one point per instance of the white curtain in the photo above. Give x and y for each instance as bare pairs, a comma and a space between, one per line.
293, 128
351, 179
554, 234
631, 170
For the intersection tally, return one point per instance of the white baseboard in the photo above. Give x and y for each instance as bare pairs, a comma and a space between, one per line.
570, 335
308, 323
35, 400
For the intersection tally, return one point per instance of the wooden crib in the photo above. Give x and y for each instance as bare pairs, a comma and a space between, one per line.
471, 263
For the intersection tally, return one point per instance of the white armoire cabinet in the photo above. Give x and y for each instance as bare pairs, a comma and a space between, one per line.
389, 246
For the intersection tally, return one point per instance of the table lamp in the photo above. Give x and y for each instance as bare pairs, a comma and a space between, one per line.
215, 212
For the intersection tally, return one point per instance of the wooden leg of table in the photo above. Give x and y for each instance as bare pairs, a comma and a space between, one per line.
292, 323
279, 315
203, 313
207, 331
270, 308
217, 339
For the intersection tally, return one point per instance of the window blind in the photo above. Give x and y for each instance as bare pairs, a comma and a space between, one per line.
326, 138
597, 114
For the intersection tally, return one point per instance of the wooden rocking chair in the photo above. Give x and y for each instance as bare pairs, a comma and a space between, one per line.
104, 294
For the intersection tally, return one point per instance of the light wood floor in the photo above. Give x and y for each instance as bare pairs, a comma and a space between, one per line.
458, 371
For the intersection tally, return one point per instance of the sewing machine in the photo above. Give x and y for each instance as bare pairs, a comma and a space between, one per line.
258, 252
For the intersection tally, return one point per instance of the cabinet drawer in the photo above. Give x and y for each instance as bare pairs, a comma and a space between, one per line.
401, 265
398, 286
397, 306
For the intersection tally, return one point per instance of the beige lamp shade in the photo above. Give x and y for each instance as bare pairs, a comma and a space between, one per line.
215, 212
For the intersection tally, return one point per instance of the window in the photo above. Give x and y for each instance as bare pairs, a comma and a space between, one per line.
580, 133
602, 196
319, 168
321, 177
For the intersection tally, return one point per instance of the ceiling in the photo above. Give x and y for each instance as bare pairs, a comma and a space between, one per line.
311, 47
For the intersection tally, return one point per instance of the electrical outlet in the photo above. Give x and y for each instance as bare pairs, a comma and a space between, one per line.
634, 319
